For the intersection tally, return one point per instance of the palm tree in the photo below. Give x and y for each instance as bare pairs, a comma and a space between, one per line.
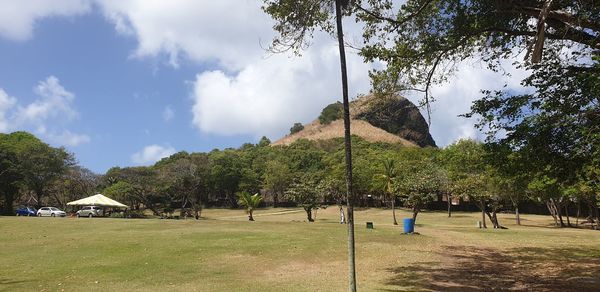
389, 176
249, 202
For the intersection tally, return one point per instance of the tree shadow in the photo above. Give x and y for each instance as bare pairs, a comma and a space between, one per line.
5, 284
484, 269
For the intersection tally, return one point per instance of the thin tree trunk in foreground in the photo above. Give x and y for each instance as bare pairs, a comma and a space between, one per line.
415, 213
347, 145
551, 209
448, 198
394, 209
567, 214
483, 214
309, 214
578, 214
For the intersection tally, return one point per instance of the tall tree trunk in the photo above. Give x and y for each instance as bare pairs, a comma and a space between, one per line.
578, 213
275, 199
250, 218
491, 219
551, 209
482, 206
517, 215
597, 211
348, 149
567, 214
394, 209
196, 211
9, 199
558, 208
416, 210
496, 222
309, 214
448, 198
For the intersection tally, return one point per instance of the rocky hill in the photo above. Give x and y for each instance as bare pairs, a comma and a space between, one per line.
392, 119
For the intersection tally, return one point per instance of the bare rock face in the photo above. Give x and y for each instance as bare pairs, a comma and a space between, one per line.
396, 115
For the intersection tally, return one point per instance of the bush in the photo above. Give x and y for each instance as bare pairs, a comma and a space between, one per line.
297, 127
135, 214
116, 215
331, 113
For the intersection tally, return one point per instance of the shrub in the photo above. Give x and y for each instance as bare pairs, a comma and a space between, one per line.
331, 113
116, 215
297, 127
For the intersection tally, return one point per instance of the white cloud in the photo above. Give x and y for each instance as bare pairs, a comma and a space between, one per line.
55, 101
151, 154
168, 113
67, 138
6, 103
46, 116
265, 98
225, 31
18, 18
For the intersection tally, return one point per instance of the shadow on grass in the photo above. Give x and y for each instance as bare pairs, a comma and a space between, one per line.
481, 269
7, 284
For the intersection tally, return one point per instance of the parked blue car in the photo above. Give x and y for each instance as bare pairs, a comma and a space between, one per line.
26, 211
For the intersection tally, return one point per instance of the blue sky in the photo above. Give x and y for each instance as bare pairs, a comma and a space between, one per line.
127, 82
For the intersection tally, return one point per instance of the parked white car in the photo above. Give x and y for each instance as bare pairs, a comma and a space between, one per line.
50, 211
90, 211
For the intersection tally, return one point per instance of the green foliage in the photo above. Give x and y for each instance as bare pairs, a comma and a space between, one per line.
28, 164
420, 184
250, 203
331, 113
305, 192
297, 127
264, 141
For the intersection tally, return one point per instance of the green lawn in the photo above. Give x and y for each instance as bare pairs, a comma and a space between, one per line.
282, 252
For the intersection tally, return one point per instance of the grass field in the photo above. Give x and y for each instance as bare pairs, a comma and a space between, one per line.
281, 252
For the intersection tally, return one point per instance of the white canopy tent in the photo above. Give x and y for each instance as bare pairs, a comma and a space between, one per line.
98, 200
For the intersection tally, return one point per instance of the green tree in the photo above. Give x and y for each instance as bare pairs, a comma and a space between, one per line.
388, 177
297, 127
420, 186
38, 164
264, 141
465, 162
178, 180
77, 182
122, 191
141, 186
250, 203
277, 179
330, 113
226, 174
305, 192
11, 178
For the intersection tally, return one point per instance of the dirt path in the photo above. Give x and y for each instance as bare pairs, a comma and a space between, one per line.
258, 215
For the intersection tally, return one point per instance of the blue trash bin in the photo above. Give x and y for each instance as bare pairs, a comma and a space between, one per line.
409, 225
